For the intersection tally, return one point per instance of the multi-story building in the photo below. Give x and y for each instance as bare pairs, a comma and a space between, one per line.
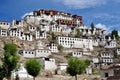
69, 42
106, 58
3, 32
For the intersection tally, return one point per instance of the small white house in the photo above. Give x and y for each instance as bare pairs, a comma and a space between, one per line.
3, 32
31, 28
107, 60
27, 53
53, 47
4, 25
77, 53
27, 36
15, 32
17, 23
36, 53
106, 57
40, 34
48, 63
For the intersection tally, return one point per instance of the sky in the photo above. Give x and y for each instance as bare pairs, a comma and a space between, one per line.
103, 13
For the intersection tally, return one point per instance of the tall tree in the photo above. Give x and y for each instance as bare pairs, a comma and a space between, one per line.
92, 27
60, 47
33, 67
115, 33
53, 37
9, 60
1, 73
78, 34
75, 66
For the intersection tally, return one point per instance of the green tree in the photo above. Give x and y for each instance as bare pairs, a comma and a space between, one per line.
33, 67
78, 34
115, 33
60, 47
1, 73
9, 60
75, 66
92, 27
53, 37
87, 62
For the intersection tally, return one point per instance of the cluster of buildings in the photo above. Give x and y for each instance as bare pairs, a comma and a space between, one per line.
37, 27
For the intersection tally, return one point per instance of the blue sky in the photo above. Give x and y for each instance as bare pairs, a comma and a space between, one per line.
103, 13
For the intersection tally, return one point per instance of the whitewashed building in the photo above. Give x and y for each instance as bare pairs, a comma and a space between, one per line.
96, 41
111, 44
40, 34
36, 53
110, 41
32, 28
4, 25
56, 28
118, 51
27, 36
42, 52
27, 53
15, 32
106, 57
18, 32
17, 23
69, 42
39, 51
3, 32
48, 63
66, 30
53, 47
77, 53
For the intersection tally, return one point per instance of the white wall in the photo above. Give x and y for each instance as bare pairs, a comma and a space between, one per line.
27, 53
42, 53
3, 32
77, 54
118, 51
4, 25
62, 66
48, 63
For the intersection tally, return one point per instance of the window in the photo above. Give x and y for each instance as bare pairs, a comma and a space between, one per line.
106, 74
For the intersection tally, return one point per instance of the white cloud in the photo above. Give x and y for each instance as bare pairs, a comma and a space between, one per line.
104, 15
99, 25
30, 13
81, 4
